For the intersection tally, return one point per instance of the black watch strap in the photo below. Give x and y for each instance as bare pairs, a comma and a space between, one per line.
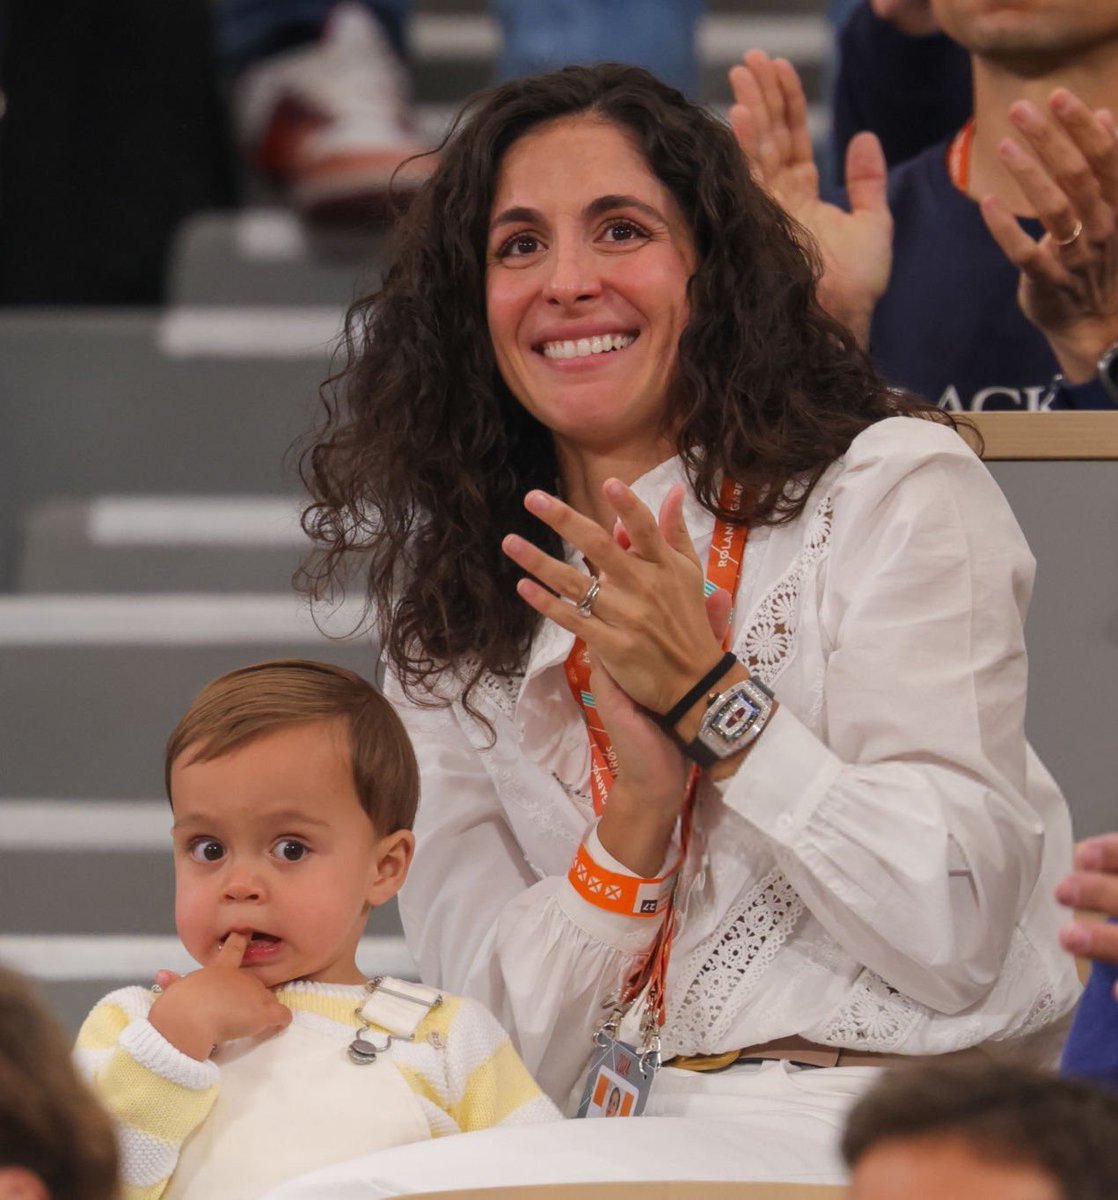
669, 719
700, 754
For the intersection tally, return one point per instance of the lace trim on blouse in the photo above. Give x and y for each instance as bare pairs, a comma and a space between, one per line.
746, 943
755, 928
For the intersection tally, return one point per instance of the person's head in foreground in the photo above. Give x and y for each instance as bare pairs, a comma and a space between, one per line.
982, 1132
591, 274
56, 1143
294, 788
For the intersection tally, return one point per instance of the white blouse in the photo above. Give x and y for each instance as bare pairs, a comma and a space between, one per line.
878, 874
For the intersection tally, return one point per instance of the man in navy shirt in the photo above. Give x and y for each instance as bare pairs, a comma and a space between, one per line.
955, 298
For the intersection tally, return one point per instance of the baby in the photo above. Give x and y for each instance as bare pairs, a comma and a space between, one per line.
293, 787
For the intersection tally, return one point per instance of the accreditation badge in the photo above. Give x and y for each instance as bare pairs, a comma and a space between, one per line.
618, 1082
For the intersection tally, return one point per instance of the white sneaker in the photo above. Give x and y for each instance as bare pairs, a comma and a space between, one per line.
331, 121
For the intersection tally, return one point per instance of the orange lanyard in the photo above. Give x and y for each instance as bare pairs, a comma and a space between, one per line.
724, 563
727, 551
958, 156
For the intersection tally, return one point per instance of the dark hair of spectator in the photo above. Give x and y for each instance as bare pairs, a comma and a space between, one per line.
50, 1122
253, 701
1067, 1128
424, 455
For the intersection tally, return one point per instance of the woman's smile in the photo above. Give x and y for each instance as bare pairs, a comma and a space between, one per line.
588, 264
585, 347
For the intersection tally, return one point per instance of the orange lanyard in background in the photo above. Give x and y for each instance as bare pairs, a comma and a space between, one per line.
958, 156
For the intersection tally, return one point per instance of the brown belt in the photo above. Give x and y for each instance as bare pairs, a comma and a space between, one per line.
809, 1054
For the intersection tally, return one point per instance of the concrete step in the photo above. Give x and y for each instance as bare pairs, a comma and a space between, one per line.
90, 686
264, 256
194, 401
453, 53
144, 544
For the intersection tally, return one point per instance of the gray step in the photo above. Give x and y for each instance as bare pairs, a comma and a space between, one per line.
1066, 510
453, 54
90, 686
265, 256
194, 401
137, 544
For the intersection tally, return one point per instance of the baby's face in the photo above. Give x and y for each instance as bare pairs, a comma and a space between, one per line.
271, 840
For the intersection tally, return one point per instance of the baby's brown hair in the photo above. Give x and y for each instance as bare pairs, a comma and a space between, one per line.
252, 701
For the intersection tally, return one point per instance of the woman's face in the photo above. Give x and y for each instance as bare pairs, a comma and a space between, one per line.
587, 266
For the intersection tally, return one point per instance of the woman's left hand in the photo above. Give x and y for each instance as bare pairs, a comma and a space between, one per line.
648, 624
1069, 278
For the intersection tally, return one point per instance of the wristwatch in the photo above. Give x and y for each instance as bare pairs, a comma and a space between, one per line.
1108, 371
733, 720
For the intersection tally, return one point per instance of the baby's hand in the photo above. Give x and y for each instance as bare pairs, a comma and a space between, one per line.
216, 1004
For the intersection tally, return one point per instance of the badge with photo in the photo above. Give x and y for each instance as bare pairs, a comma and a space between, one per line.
618, 1082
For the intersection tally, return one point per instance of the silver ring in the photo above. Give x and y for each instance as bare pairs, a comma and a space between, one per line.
586, 604
1074, 235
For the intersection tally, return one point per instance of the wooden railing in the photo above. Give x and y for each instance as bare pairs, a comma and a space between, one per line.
1043, 435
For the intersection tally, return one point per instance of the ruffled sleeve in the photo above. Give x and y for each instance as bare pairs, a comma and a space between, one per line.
906, 827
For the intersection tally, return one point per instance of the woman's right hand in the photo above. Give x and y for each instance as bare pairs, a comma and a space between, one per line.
215, 1004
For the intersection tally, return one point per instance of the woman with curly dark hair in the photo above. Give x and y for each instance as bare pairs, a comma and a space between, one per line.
711, 651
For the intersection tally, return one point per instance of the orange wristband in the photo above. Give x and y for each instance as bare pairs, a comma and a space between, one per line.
629, 895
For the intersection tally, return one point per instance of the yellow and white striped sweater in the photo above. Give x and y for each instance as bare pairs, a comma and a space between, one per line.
461, 1066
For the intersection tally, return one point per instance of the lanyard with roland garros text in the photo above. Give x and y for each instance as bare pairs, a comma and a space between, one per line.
620, 1076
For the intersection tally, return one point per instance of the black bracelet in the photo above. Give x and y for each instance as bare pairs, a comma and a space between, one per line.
669, 719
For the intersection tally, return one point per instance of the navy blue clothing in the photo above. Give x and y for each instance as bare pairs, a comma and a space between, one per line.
949, 327
911, 91
1091, 1051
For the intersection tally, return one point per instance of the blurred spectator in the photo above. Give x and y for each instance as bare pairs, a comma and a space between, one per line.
957, 298
113, 133
321, 92
1091, 1051
55, 1141
899, 77
979, 1131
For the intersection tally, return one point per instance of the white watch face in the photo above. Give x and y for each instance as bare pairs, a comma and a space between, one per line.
733, 717
729, 721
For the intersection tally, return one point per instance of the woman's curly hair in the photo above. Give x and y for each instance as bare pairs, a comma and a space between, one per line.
425, 456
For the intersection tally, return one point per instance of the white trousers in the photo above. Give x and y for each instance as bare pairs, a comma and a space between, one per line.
793, 1116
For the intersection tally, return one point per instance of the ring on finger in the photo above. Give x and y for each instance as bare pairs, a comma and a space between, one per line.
585, 606
1072, 238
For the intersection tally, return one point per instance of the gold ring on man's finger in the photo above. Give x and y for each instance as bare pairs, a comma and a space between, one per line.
1072, 237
